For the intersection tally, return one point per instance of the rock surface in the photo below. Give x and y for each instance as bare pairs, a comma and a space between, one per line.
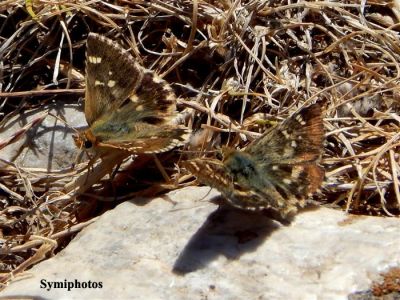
47, 145
193, 250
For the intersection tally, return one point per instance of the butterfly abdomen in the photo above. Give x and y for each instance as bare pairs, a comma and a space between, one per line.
112, 127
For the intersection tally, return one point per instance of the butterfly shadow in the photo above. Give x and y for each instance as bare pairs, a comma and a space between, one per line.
227, 231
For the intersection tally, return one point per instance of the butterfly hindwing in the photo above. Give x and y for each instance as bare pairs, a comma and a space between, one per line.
210, 172
293, 182
152, 139
240, 189
255, 187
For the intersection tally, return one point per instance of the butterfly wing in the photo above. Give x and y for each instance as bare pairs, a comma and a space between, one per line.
151, 139
239, 189
112, 75
298, 139
127, 106
211, 172
291, 184
286, 158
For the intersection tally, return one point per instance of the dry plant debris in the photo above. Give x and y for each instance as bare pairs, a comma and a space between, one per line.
390, 283
237, 67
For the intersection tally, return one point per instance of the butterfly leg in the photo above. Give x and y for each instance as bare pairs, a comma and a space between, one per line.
112, 175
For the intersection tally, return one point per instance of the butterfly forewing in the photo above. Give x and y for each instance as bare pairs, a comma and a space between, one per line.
298, 138
155, 95
213, 173
112, 75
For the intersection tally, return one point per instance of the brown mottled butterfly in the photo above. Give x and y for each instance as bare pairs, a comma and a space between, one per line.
277, 171
127, 107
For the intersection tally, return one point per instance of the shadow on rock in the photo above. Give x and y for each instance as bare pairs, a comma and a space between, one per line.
227, 231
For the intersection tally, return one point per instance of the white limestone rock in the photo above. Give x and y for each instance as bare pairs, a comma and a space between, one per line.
49, 144
193, 250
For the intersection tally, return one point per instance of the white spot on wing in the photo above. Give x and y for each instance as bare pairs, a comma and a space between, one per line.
209, 168
97, 83
94, 59
134, 98
296, 171
300, 120
287, 181
288, 151
111, 83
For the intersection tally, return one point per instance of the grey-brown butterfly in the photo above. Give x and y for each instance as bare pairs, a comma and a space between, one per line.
127, 107
277, 171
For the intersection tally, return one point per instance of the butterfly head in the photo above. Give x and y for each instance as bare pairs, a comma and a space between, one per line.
85, 140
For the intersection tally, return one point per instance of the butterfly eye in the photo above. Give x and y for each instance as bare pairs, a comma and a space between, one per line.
88, 144
219, 155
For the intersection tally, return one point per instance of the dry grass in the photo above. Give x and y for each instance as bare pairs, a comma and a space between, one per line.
233, 64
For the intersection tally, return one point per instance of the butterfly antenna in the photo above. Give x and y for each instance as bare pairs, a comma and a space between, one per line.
196, 206
64, 122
